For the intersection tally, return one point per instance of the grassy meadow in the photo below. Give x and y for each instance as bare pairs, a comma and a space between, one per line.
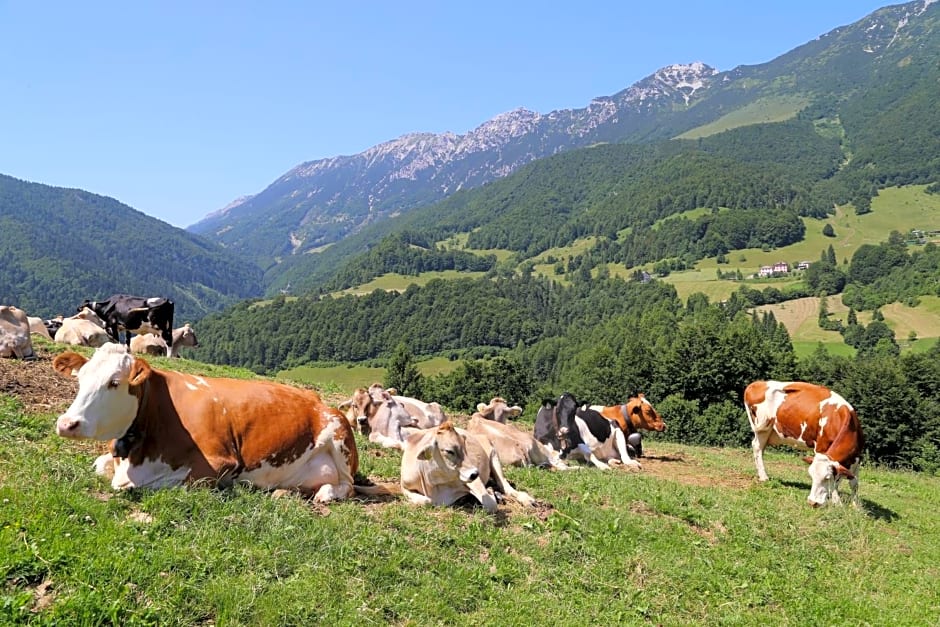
691, 539
761, 111
347, 377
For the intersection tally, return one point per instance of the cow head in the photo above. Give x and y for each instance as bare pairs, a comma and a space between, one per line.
565, 410
448, 450
498, 409
824, 473
385, 414
109, 389
642, 415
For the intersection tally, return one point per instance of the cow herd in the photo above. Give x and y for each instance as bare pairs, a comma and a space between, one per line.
143, 324
167, 428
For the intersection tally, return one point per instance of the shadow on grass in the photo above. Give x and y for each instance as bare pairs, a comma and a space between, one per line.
870, 508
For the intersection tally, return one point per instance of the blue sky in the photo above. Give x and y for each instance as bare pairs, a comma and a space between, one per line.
177, 108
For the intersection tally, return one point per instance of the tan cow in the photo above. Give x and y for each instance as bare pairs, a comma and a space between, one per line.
441, 465
174, 428
14, 333
37, 326
513, 446
151, 344
378, 415
498, 409
83, 329
807, 416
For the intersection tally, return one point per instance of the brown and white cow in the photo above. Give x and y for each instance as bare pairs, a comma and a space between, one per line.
181, 428
807, 416
14, 333
498, 409
441, 465
38, 326
513, 446
636, 414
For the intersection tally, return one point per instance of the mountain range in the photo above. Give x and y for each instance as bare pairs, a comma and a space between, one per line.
285, 227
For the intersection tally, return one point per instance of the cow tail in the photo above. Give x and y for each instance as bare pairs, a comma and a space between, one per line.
378, 489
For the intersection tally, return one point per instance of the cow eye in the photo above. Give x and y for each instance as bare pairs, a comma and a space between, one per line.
113, 383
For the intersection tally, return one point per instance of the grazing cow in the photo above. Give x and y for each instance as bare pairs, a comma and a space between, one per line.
181, 428
807, 416
378, 415
498, 409
513, 446
135, 314
83, 329
38, 326
637, 413
14, 333
151, 344
442, 464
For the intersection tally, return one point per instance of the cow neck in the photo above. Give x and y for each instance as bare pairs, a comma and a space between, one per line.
626, 419
134, 436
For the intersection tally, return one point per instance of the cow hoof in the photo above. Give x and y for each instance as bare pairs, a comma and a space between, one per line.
280, 493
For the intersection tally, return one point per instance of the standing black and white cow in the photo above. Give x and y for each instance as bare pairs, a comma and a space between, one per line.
135, 314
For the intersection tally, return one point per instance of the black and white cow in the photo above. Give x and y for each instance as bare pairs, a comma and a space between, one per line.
547, 426
590, 436
135, 314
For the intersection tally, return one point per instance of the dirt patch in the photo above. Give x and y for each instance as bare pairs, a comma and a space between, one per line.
35, 384
676, 467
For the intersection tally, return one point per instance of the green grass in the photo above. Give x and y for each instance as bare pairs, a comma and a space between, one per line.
691, 539
400, 282
348, 377
765, 110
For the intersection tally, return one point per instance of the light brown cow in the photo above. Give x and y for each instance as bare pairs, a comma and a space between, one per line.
513, 446
14, 333
807, 416
378, 415
176, 428
441, 465
37, 326
85, 328
151, 344
498, 409
426, 415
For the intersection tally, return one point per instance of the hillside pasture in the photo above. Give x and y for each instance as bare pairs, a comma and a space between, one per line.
761, 111
347, 377
692, 538
395, 282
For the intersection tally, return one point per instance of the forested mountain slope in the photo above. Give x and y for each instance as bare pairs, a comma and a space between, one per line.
60, 246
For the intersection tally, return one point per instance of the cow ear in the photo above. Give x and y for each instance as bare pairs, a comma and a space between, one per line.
427, 452
808, 459
392, 391
68, 364
515, 410
845, 472
140, 370
344, 405
481, 407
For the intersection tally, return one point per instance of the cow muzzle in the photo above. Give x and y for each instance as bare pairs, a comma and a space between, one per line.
67, 427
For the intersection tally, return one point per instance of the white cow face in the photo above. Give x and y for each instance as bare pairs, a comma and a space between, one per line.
105, 406
824, 474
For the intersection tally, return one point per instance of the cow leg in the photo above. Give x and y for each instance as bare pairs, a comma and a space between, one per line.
343, 488
484, 496
589, 455
416, 498
503, 483
757, 445
621, 443
853, 482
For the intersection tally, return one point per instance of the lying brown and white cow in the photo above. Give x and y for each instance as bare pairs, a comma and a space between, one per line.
182, 428
636, 414
426, 415
14, 333
513, 446
807, 416
441, 465
498, 409
150, 344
